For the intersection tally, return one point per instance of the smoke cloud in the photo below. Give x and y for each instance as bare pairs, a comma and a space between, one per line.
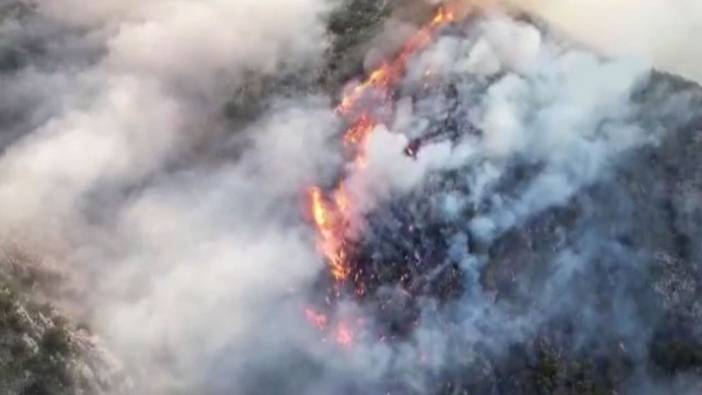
656, 30
179, 240
179, 233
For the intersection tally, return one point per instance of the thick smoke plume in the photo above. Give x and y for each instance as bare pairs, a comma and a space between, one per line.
657, 30
177, 225
177, 235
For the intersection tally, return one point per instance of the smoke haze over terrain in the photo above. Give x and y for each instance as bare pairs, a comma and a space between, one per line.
660, 31
177, 233
169, 253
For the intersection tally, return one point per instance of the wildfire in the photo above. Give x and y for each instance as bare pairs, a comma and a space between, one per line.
332, 215
344, 335
319, 320
341, 332
386, 76
332, 212
330, 221
359, 130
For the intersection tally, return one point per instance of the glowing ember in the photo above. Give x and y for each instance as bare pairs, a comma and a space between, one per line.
344, 335
319, 320
332, 216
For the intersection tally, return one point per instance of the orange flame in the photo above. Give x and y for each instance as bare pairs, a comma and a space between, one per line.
385, 76
359, 130
341, 332
332, 215
330, 222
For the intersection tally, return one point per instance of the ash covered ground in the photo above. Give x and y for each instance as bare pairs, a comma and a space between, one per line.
520, 213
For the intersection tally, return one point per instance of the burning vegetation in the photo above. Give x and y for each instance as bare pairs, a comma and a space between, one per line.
498, 211
334, 212
412, 266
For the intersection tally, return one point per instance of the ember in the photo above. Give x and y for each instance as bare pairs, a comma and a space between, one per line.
319, 320
386, 76
344, 335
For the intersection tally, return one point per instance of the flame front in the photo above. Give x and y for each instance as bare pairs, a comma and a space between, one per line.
387, 75
330, 222
332, 215
333, 211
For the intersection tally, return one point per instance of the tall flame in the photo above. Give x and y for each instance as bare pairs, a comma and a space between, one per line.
332, 211
386, 76
330, 222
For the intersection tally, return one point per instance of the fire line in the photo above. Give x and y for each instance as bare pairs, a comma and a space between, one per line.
332, 211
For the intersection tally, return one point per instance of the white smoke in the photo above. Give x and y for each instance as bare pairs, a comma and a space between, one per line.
567, 109
176, 263
659, 31
537, 102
